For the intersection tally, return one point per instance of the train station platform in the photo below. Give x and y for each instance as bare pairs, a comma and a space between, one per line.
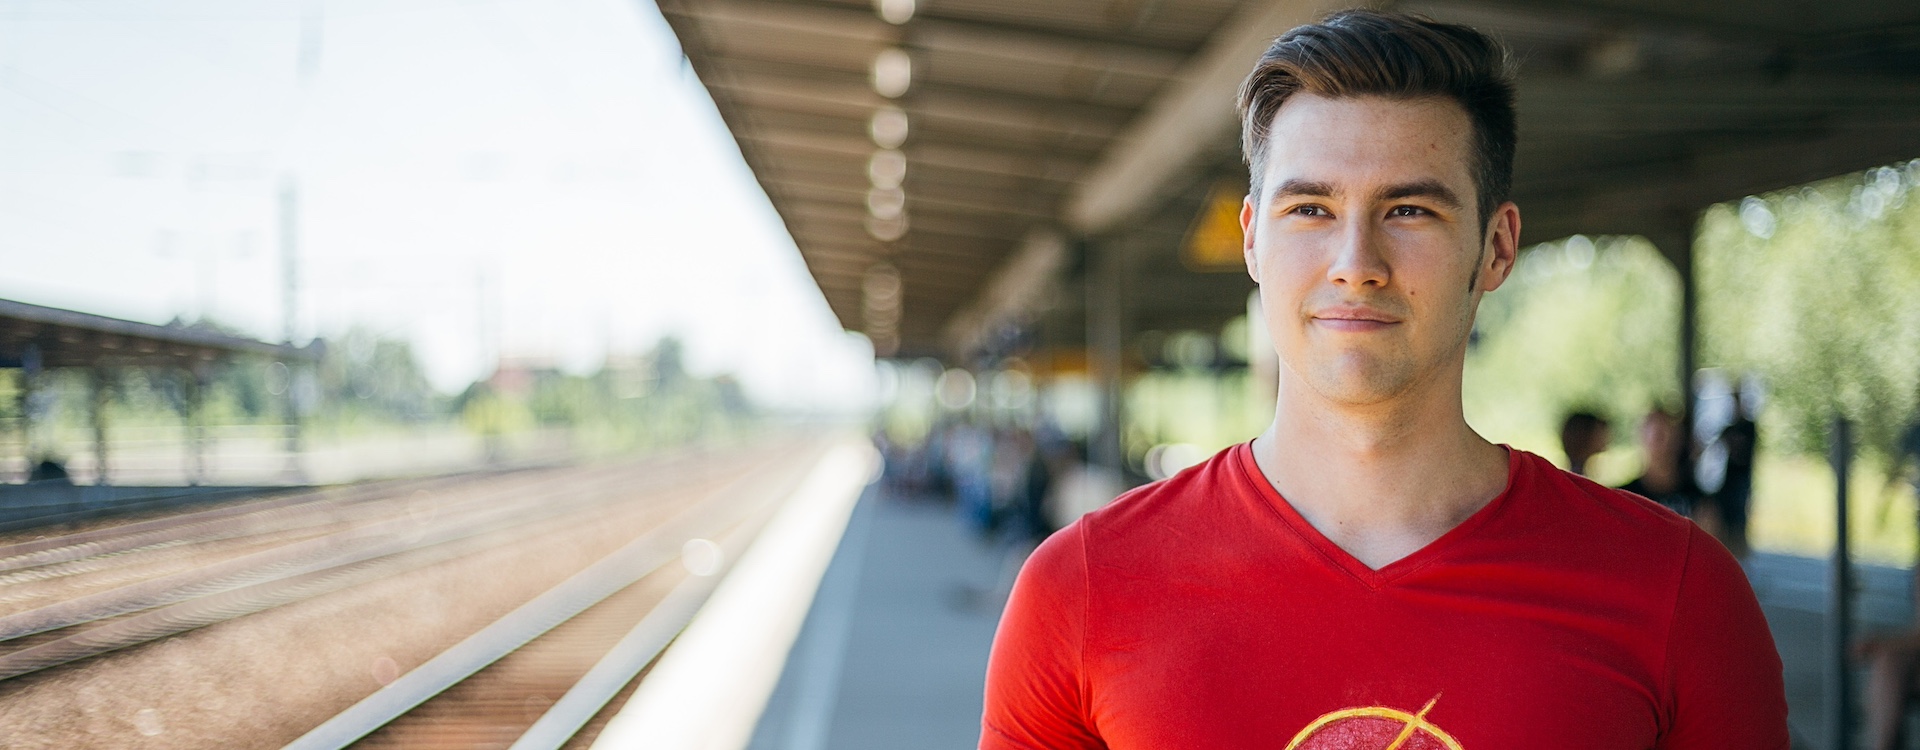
894, 649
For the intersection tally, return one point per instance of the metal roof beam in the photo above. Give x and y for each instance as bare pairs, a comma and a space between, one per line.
1192, 114
932, 15
793, 88
809, 212
1021, 203
1627, 200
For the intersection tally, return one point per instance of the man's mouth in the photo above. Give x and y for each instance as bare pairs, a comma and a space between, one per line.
1353, 318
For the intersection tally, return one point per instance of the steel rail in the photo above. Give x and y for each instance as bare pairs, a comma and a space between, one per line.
311, 555
140, 504
611, 674
199, 613
286, 511
412, 550
624, 567
125, 537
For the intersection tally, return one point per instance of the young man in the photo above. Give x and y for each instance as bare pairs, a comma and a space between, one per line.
1369, 573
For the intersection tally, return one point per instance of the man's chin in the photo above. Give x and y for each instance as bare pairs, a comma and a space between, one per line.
1358, 386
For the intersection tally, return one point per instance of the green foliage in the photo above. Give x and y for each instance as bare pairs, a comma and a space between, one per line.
638, 402
1581, 324
1206, 409
1817, 289
1814, 290
365, 375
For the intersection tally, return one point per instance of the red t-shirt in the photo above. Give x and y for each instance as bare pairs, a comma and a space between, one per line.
1204, 612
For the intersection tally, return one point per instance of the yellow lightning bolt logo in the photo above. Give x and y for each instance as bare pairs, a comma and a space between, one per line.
1411, 724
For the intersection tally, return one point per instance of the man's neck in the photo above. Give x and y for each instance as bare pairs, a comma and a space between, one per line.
1381, 480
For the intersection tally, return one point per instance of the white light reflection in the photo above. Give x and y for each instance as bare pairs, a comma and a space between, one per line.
886, 203
895, 12
887, 230
892, 72
1756, 217
147, 722
888, 127
701, 557
887, 168
955, 389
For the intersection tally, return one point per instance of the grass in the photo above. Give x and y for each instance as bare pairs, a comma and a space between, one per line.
1793, 511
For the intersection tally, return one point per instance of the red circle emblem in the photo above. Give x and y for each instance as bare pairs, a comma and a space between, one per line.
1374, 728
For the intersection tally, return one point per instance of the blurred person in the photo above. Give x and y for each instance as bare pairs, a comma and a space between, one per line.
1011, 471
969, 463
1027, 511
1893, 659
1661, 479
49, 472
1369, 572
1055, 457
1738, 441
892, 460
1081, 487
936, 480
1893, 682
1584, 435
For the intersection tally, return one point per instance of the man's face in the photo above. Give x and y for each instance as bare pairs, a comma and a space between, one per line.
1367, 245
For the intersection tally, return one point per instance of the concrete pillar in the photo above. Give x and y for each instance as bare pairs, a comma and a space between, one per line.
1105, 272
1840, 587
30, 366
100, 388
197, 383
23, 397
295, 470
1689, 343
1675, 241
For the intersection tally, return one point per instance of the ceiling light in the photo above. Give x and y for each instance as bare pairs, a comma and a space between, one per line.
882, 287
887, 230
888, 127
895, 12
892, 72
887, 168
886, 203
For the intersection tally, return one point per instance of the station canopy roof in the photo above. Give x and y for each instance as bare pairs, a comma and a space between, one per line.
1029, 122
65, 338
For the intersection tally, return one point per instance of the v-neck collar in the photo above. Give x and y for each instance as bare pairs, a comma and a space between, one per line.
1344, 560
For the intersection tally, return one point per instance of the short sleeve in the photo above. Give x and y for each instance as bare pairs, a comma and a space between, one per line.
1725, 685
1036, 687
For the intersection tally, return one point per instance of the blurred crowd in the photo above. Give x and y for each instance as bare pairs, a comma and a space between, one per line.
1709, 481
1012, 482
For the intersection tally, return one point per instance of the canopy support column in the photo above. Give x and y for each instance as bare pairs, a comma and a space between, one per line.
99, 387
1675, 241
1105, 342
295, 470
197, 384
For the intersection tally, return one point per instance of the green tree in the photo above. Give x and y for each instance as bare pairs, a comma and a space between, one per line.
1817, 290
364, 373
1581, 324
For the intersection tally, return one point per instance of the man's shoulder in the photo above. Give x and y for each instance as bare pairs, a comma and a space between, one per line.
1192, 497
1575, 519
1613, 506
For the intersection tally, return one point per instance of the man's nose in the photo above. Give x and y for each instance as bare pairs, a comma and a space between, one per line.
1358, 257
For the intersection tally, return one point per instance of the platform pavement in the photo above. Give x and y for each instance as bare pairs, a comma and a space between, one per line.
893, 651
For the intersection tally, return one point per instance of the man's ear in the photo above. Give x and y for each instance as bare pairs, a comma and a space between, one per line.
1502, 248
1246, 238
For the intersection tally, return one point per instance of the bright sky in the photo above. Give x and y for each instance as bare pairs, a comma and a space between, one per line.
554, 160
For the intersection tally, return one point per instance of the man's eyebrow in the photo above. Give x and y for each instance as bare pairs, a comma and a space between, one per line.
1429, 189
1304, 187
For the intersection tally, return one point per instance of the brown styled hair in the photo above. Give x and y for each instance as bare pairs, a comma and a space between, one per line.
1372, 53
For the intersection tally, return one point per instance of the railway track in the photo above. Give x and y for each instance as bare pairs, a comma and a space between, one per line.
433, 613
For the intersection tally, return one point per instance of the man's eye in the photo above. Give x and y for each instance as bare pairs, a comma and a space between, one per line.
1407, 211
1310, 210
